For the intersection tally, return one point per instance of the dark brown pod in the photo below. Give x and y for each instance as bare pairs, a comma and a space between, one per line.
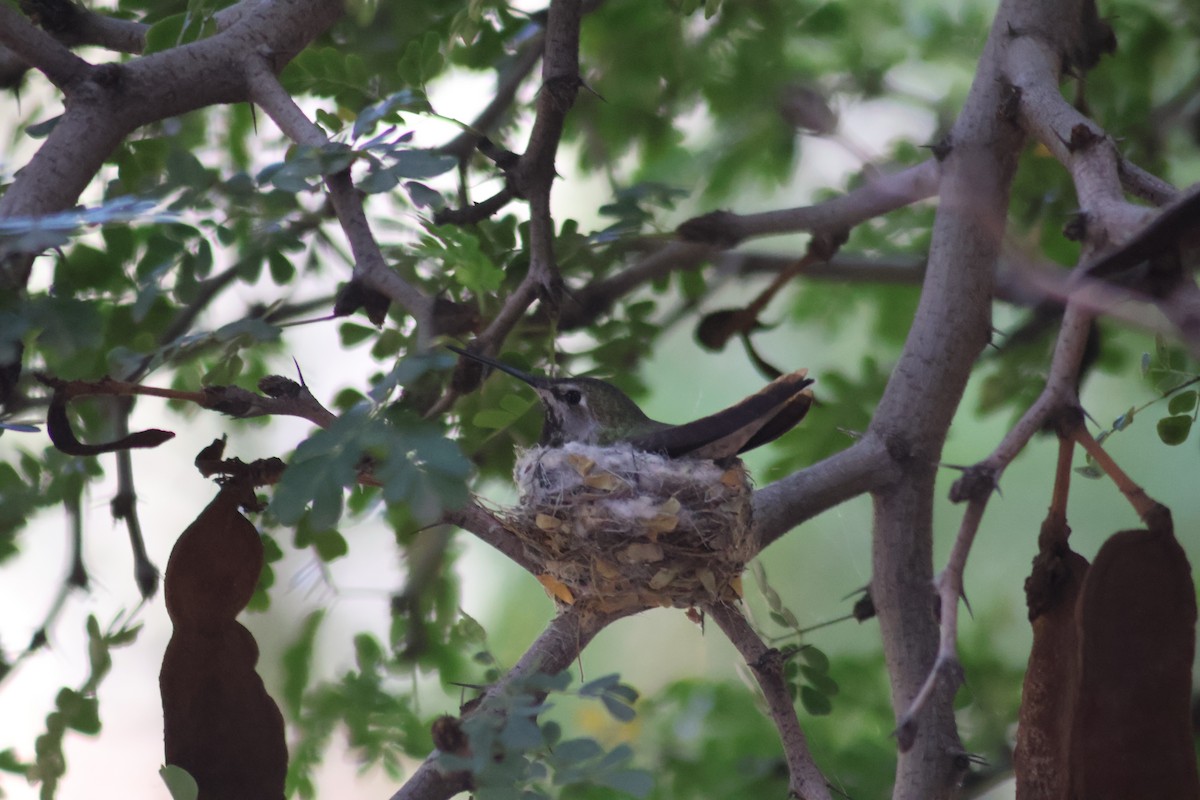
1131, 734
219, 723
215, 565
1052, 675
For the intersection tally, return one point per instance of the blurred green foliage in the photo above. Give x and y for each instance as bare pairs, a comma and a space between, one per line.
151, 279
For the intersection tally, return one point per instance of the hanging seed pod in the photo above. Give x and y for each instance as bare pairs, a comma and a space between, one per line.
1052, 675
1131, 735
219, 723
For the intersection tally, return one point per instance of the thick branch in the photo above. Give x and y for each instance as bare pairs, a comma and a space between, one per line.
112, 100
951, 327
478, 520
41, 50
784, 504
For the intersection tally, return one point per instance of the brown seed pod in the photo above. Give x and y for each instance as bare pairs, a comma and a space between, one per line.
219, 723
1052, 675
1131, 733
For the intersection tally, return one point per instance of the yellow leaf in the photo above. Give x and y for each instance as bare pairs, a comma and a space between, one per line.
556, 588
581, 463
641, 552
607, 568
603, 480
547, 523
662, 578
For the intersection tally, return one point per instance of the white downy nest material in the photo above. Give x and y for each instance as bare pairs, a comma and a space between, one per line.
618, 528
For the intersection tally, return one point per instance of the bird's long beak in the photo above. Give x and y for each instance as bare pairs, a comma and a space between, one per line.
533, 380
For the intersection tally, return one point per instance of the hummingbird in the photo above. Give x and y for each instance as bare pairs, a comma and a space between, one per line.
592, 411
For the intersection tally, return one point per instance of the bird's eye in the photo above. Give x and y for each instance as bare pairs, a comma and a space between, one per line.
573, 397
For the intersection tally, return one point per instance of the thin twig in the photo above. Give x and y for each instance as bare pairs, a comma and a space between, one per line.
977, 485
1134, 493
881, 194
124, 505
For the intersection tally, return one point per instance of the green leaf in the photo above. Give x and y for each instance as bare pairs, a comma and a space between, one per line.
352, 333
637, 782
815, 658
815, 702
164, 34
297, 663
180, 783
330, 545
1183, 402
820, 681
1174, 430
618, 708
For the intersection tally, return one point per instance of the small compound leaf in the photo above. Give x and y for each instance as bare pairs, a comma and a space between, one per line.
1174, 430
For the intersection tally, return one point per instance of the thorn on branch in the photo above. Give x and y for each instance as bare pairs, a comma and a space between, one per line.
476, 212
449, 736
942, 147
562, 89
864, 607
770, 662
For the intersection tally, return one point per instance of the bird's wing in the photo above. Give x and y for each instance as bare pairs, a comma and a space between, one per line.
758, 419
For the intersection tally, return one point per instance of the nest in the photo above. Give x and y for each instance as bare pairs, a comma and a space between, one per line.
621, 529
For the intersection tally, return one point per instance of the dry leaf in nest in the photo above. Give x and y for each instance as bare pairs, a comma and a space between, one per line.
620, 528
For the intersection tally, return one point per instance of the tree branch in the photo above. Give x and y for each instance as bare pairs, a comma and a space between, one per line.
554, 651
781, 506
370, 266
534, 174
804, 778
951, 327
1032, 65
510, 80
112, 100
41, 50
881, 194
476, 519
